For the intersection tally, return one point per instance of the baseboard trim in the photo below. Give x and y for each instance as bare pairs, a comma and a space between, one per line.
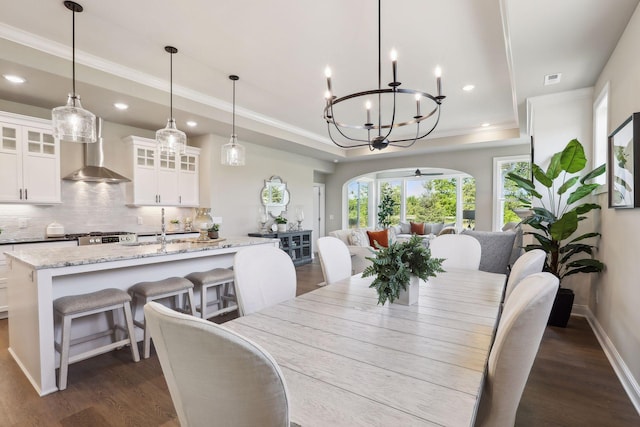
627, 380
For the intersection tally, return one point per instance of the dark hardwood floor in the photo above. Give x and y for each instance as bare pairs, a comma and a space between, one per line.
571, 384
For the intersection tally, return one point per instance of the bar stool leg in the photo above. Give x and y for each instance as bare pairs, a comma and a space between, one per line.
191, 300
146, 349
64, 352
128, 317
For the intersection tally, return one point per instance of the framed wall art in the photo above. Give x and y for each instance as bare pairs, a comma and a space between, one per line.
623, 163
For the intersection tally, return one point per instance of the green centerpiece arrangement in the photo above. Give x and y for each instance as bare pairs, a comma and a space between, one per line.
555, 219
282, 223
213, 231
398, 269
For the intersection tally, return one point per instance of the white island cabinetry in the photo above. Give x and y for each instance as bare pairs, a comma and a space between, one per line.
162, 179
29, 160
36, 277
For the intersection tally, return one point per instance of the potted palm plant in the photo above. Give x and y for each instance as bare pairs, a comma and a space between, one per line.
555, 219
399, 268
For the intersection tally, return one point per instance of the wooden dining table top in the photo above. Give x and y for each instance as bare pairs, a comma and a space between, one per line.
348, 361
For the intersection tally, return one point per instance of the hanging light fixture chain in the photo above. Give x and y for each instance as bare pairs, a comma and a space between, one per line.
379, 67
73, 51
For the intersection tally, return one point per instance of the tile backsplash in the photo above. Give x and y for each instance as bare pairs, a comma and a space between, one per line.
85, 207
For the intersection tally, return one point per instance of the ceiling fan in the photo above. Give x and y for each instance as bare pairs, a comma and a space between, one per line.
419, 173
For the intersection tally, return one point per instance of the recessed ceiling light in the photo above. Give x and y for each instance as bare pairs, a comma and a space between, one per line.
14, 79
484, 125
191, 123
468, 88
121, 105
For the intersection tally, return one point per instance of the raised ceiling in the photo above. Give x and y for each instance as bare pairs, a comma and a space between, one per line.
279, 49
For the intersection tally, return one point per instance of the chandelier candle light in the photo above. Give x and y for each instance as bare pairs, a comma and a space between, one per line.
171, 139
349, 139
233, 153
71, 122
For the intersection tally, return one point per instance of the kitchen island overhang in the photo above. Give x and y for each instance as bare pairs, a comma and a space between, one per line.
39, 276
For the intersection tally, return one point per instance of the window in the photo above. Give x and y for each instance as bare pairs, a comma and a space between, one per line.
431, 200
600, 127
394, 189
358, 202
507, 196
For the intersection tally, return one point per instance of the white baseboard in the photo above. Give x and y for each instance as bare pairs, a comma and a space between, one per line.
627, 380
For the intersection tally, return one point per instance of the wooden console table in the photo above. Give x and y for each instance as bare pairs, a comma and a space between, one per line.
296, 243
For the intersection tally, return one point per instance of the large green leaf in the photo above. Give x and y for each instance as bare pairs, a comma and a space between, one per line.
572, 158
584, 236
594, 173
554, 168
565, 226
546, 243
584, 208
568, 184
540, 176
574, 249
582, 191
524, 184
544, 215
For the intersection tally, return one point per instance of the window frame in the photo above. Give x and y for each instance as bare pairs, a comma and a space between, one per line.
498, 187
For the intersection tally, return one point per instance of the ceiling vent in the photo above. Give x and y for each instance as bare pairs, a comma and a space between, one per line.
552, 79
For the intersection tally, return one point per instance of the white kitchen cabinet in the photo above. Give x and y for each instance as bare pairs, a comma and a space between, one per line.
29, 160
160, 179
4, 303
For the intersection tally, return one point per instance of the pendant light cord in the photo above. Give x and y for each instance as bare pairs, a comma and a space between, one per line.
171, 85
234, 109
379, 68
73, 53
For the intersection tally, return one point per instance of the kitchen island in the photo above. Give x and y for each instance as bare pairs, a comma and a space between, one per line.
38, 276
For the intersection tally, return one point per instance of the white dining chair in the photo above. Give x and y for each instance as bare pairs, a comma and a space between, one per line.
515, 347
527, 264
458, 251
264, 276
216, 376
335, 259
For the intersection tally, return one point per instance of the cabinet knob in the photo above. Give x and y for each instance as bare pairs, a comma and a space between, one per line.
21, 194
26, 196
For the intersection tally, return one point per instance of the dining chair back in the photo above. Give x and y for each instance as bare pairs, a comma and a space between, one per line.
216, 376
520, 330
264, 276
529, 263
458, 251
335, 259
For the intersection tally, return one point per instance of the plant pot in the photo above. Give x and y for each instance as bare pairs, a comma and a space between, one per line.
561, 310
282, 228
213, 234
410, 296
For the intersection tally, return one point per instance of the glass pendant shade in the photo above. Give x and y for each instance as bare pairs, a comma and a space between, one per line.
171, 139
73, 123
233, 153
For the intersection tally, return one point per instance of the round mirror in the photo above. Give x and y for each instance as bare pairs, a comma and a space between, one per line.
274, 196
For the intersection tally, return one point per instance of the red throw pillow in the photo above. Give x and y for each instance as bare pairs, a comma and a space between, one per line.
417, 228
382, 237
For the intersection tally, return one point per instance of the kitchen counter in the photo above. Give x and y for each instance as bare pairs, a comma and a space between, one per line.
38, 276
68, 239
93, 254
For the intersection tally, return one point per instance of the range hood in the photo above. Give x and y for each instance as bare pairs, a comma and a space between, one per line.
94, 169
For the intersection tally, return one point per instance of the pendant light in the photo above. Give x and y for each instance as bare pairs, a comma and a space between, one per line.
233, 153
71, 122
170, 139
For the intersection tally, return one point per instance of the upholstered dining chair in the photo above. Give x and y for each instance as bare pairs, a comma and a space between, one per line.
216, 376
458, 251
335, 259
529, 263
264, 276
515, 347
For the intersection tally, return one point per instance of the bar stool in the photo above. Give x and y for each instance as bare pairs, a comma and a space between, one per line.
143, 292
75, 306
222, 280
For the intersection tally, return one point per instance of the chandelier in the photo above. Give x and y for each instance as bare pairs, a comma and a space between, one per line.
378, 136
170, 139
232, 152
71, 122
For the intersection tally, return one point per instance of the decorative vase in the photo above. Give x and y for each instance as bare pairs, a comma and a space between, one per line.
213, 234
410, 296
202, 222
282, 228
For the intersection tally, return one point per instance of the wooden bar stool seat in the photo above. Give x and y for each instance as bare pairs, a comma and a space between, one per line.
75, 306
143, 292
222, 280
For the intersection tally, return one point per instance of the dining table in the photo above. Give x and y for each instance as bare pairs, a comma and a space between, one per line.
348, 361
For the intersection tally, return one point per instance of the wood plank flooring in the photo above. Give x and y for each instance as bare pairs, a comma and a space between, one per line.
571, 384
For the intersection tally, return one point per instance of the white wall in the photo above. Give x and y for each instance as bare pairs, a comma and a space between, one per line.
477, 163
618, 288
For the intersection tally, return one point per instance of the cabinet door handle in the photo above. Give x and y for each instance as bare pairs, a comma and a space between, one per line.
159, 198
180, 199
21, 194
26, 196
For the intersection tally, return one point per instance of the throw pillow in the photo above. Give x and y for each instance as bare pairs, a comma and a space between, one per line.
405, 228
382, 237
436, 227
496, 247
417, 228
358, 238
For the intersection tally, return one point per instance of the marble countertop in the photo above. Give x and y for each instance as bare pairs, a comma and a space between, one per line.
69, 239
41, 258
